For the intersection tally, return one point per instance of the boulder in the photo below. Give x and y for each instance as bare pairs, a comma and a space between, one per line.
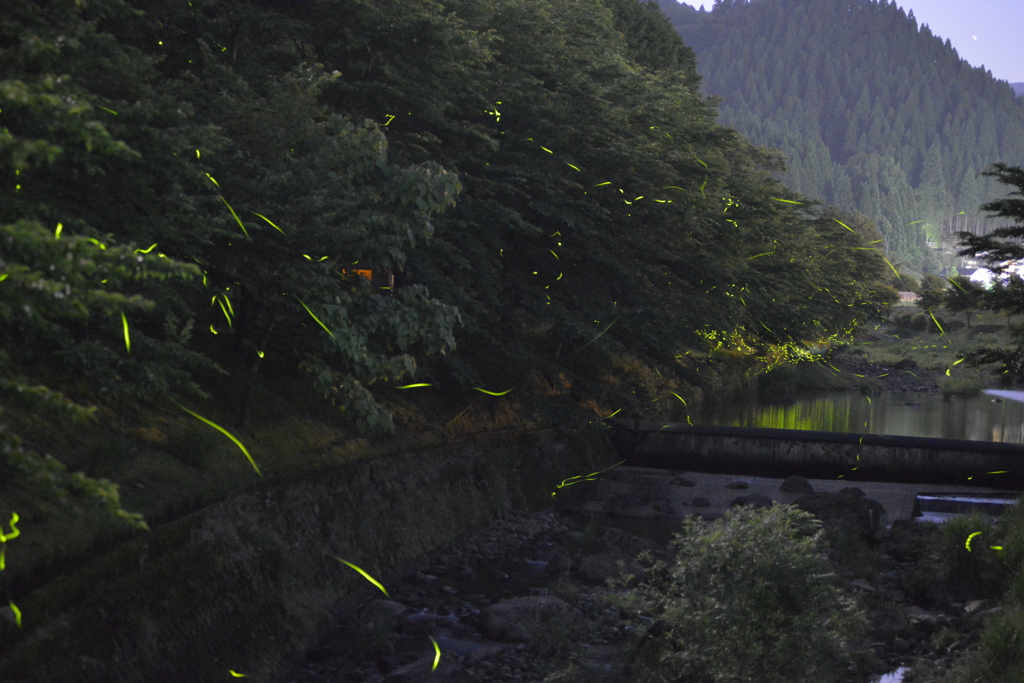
519, 618
844, 512
922, 618
905, 364
754, 500
796, 484
737, 485
701, 502
610, 565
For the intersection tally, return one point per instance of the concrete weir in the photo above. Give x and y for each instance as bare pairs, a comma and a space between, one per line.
820, 455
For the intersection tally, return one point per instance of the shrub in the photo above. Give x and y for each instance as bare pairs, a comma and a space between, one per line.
748, 597
964, 566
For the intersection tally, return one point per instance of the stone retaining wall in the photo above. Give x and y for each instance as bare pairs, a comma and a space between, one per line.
245, 584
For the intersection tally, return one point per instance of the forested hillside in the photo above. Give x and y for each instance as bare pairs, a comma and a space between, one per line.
523, 199
873, 111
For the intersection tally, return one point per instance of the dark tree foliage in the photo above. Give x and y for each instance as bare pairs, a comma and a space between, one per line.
1001, 247
546, 174
933, 292
997, 251
965, 296
874, 112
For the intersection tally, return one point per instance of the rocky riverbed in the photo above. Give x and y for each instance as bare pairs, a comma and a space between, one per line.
519, 601
902, 376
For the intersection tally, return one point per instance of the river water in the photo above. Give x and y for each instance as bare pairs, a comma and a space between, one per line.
995, 416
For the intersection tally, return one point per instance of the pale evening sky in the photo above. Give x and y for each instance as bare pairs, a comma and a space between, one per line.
989, 32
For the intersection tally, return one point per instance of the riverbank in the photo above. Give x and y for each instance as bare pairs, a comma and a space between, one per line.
896, 358
527, 600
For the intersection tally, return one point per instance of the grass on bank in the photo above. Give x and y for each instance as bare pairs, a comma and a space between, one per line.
912, 334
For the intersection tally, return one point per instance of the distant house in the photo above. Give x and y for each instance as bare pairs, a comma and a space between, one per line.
909, 298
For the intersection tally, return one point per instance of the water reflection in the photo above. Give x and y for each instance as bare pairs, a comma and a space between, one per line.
978, 418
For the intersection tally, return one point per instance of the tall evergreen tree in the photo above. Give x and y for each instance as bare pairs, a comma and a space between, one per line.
878, 84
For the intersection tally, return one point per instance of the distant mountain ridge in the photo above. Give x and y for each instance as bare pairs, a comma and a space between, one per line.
1018, 88
873, 111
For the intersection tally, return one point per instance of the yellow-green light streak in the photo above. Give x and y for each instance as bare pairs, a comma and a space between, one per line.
17, 613
366, 576
786, 201
585, 477
146, 251
237, 219
996, 472
127, 337
15, 532
848, 228
225, 433
226, 314
967, 543
272, 224
416, 386
235, 674
326, 329
893, 268
437, 652
493, 393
